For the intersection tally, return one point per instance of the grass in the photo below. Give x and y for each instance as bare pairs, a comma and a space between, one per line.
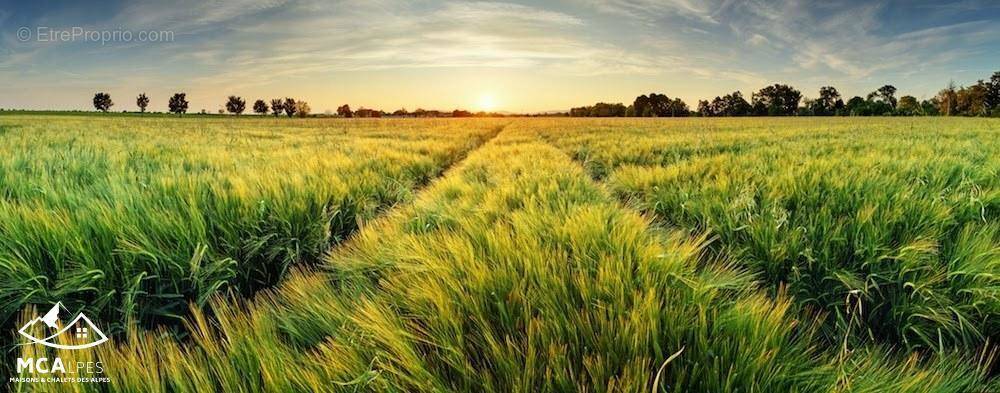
610, 255
134, 219
889, 226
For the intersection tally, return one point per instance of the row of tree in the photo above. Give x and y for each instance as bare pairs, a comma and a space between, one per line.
290, 107
178, 104
980, 99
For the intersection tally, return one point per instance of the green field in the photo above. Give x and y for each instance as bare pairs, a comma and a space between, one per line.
750, 255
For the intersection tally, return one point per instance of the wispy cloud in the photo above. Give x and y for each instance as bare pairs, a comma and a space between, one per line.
703, 11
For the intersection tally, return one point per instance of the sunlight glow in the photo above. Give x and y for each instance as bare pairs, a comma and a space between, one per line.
487, 102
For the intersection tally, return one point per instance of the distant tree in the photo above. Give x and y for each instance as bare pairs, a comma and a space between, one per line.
705, 109
582, 111
236, 105
302, 108
736, 105
857, 106
289, 107
142, 102
260, 107
885, 94
630, 111
992, 98
972, 100
657, 105
829, 102
178, 104
908, 106
401, 112
461, 113
277, 106
929, 107
776, 100
947, 100
366, 113
102, 101
345, 111
602, 109
808, 108
879, 108
679, 108
732, 104
641, 106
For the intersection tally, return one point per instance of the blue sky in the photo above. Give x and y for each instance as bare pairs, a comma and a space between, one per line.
515, 56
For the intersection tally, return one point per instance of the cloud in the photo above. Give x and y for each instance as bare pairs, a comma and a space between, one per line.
758, 40
651, 10
377, 36
851, 39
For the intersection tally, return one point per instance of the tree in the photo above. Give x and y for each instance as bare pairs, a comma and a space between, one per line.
400, 112
600, 109
885, 94
641, 106
345, 111
736, 105
260, 107
993, 93
367, 113
302, 108
857, 106
679, 108
102, 101
776, 100
829, 102
929, 107
277, 106
705, 109
947, 100
142, 102
972, 100
236, 105
582, 111
908, 106
290, 107
630, 111
658, 105
732, 104
178, 104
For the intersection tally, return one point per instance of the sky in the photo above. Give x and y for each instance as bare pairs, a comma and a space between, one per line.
516, 56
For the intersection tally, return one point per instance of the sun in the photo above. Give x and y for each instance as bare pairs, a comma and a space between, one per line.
487, 102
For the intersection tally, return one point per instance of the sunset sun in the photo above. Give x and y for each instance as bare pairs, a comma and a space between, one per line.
487, 102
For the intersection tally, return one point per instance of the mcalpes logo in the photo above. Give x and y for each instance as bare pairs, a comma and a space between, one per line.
80, 330
36, 365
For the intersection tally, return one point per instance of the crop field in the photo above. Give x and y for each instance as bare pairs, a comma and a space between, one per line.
510, 255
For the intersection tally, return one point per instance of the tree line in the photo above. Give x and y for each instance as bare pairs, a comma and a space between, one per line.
979, 99
178, 104
290, 107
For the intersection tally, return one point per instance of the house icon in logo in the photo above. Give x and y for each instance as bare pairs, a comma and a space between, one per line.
80, 329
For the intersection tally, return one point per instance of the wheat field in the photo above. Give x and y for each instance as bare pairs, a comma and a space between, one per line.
510, 255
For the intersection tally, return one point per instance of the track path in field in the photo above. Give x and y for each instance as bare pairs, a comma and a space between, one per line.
442, 173
477, 144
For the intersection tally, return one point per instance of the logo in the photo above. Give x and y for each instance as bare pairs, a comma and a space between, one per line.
81, 330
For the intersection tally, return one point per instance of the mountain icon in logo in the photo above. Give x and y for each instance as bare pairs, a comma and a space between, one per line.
81, 329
